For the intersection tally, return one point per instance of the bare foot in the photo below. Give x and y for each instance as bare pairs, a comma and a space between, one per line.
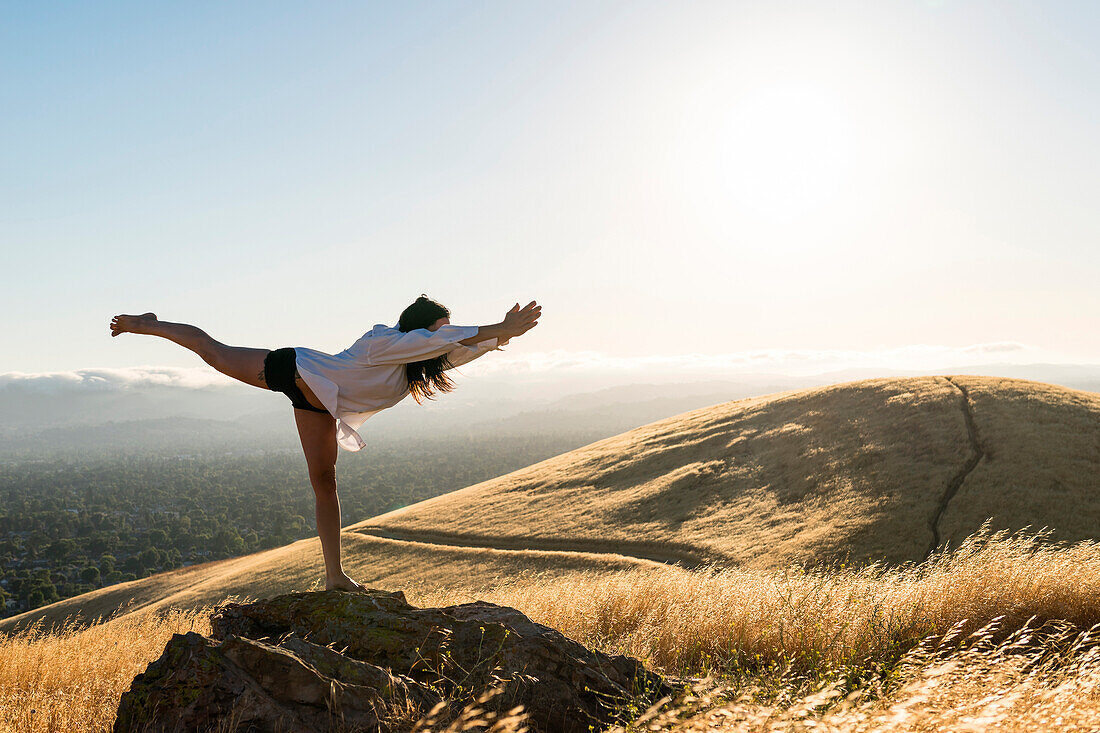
133, 324
345, 583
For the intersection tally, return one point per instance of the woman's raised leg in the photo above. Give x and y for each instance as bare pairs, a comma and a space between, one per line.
241, 363
317, 432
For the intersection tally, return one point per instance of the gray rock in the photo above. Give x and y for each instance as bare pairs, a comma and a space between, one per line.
318, 661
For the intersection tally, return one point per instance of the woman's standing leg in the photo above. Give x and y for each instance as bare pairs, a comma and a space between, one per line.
317, 432
241, 363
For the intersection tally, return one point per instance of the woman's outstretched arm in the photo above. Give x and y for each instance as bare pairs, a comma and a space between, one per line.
387, 346
463, 355
517, 322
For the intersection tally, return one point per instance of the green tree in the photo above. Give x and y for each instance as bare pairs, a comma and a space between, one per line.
100, 542
90, 574
148, 558
227, 541
37, 541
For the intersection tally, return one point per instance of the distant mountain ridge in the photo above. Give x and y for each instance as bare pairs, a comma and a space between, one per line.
88, 415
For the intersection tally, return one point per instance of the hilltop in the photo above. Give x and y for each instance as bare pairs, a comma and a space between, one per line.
881, 469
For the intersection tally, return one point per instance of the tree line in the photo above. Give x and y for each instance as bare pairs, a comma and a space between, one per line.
69, 525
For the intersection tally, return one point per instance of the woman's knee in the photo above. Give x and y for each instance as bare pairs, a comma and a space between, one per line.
323, 479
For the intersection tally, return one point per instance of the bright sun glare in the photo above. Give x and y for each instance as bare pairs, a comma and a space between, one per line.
790, 132
775, 153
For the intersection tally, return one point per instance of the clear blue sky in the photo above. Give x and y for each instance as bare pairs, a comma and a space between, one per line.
664, 177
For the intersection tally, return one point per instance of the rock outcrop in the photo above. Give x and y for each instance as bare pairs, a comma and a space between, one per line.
333, 660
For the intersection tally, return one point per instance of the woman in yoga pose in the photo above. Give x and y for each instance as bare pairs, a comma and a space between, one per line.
333, 395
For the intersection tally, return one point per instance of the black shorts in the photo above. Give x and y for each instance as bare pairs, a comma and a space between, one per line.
280, 371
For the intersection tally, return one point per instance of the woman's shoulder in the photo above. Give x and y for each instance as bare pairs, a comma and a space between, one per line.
378, 334
381, 330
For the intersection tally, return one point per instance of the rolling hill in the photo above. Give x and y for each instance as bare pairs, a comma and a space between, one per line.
880, 469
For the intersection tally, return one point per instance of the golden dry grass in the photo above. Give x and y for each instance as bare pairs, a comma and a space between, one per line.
800, 477
765, 634
856, 469
1043, 462
70, 678
1029, 681
729, 620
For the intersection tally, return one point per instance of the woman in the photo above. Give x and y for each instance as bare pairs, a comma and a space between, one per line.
333, 395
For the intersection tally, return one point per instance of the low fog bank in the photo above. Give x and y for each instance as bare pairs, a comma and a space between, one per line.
177, 410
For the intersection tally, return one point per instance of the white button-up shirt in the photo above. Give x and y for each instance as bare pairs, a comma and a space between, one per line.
369, 376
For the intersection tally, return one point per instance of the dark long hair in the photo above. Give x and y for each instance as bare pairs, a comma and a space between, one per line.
427, 376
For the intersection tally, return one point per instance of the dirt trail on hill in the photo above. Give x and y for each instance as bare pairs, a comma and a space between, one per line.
960, 477
683, 555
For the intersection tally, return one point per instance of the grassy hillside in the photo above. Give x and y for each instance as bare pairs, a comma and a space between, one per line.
882, 469
877, 469
1040, 462
990, 636
377, 562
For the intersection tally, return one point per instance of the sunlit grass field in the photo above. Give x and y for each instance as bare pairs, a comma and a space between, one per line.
823, 608
858, 470
996, 634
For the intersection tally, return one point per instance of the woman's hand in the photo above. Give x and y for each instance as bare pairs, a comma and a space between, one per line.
519, 321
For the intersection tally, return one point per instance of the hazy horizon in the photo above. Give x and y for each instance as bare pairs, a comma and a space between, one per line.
140, 407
